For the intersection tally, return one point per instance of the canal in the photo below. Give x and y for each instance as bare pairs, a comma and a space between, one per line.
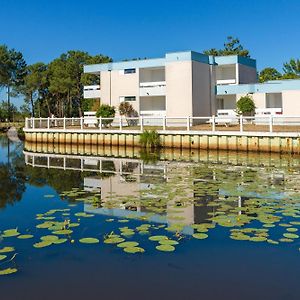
121, 224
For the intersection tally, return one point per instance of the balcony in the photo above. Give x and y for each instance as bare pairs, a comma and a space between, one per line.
91, 91
156, 88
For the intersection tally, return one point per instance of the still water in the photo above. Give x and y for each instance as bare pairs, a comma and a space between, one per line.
99, 223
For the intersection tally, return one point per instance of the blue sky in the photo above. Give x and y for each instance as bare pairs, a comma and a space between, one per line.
43, 29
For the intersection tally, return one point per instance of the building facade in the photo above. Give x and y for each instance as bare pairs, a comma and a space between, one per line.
189, 84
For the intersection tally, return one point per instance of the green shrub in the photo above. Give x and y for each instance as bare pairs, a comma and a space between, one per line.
150, 139
245, 105
106, 111
127, 110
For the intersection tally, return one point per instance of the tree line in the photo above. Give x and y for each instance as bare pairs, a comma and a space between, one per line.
57, 87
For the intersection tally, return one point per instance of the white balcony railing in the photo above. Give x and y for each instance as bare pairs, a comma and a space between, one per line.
156, 88
91, 91
226, 81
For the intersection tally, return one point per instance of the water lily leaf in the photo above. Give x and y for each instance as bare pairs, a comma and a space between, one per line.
134, 250
74, 225
7, 249
128, 244
2, 257
165, 248
59, 241
291, 235
25, 236
10, 233
114, 240
62, 232
49, 238
89, 241
8, 271
42, 244
168, 242
200, 236
158, 238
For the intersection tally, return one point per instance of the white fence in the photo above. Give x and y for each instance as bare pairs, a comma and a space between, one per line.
271, 123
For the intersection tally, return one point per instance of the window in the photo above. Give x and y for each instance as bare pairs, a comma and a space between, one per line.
129, 71
127, 98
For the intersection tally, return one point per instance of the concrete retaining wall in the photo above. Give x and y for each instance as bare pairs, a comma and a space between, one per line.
236, 142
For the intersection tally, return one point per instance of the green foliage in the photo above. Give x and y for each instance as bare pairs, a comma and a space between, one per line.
292, 69
106, 111
150, 139
126, 109
231, 47
57, 88
245, 105
269, 74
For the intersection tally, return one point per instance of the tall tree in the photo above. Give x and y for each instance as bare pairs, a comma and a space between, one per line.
231, 47
292, 69
34, 83
269, 74
12, 70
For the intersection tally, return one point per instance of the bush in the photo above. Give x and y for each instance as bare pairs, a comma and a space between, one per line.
127, 110
106, 111
150, 139
245, 105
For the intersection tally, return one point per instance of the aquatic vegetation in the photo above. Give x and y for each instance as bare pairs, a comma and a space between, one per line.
242, 203
8, 271
89, 241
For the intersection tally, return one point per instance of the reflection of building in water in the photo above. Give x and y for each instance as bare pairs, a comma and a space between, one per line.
129, 178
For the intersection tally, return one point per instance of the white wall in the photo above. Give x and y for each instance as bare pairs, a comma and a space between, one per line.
291, 103
179, 88
119, 85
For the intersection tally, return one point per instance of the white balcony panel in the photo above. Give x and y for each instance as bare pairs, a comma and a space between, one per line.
157, 88
226, 81
91, 91
153, 117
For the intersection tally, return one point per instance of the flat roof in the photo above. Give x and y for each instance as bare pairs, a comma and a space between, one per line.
273, 86
170, 57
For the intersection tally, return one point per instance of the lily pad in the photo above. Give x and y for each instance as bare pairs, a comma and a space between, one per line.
165, 248
89, 241
10, 233
291, 235
25, 236
128, 244
63, 232
7, 249
158, 238
114, 240
133, 250
168, 242
42, 244
200, 236
8, 271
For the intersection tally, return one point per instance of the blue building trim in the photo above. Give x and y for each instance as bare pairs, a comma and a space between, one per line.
171, 57
234, 59
275, 86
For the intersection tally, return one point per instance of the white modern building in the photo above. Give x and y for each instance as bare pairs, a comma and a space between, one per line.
189, 84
